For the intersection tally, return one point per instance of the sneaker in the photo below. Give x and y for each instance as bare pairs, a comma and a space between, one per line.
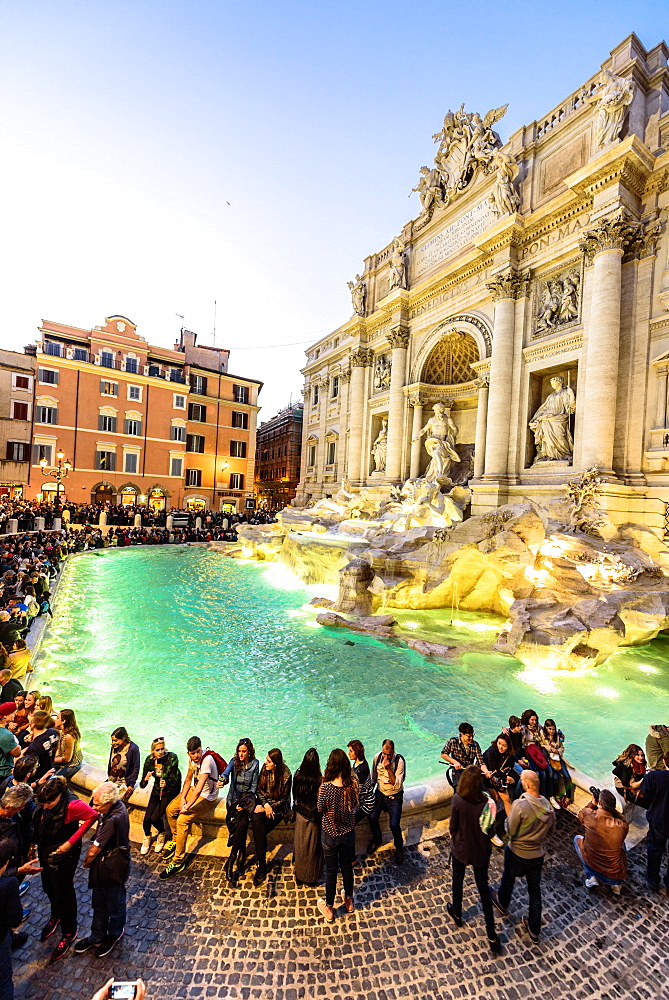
349, 905
533, 937
160, 843
497, 841
62, 947
109, 944
554, 802
591, 883
169, 849
146, 844
26, 913
260, 876
25, 885
49, 928
84, 944
174, 868
616, 889
325, 910
496, 903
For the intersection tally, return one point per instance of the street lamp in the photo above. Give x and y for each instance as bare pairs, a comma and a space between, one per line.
61, 472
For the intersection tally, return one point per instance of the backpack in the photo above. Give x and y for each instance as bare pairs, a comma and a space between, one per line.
220, 763
487, 817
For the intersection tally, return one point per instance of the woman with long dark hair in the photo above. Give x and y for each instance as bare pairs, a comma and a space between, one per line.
69, 756
242, 772
630, 766
307, 848
274, 803
471, 846
338, 804
59, 822
500, 760
124, 759
560, 785
163, 766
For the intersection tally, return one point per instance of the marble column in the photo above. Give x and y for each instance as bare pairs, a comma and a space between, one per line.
417, 402
482, 385
344, 379
360, 360
399, 341
505, 289
322, 384
661, 404
604, 247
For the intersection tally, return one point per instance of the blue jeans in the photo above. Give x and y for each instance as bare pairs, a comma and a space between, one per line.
655, 847
529, 869
67, 771
590, 872
6, 981
339, 853
543, 786
392, 804
108, 912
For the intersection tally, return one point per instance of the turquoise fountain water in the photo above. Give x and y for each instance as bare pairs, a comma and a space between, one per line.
172, 641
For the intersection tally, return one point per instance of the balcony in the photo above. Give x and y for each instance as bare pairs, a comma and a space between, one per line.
130, 365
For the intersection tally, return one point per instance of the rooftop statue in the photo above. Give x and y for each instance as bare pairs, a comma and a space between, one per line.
504, 199
614, 95
398, 265
358, 295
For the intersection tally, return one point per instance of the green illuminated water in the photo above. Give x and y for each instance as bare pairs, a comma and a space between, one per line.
171, 641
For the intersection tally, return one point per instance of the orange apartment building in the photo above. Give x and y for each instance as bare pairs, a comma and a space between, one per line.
141, 424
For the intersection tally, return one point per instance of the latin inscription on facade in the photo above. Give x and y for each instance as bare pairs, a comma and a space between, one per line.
454, 237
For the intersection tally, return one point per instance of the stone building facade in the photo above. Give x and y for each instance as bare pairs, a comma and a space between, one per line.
278, 445
530, 296
17, 377
142, 424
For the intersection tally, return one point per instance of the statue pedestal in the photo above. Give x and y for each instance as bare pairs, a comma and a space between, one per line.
549, 473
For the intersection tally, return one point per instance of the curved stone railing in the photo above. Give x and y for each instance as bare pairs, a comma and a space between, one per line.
424, 816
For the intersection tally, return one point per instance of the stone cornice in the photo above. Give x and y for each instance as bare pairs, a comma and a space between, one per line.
629, 162
571, 341
440, 393
504, 233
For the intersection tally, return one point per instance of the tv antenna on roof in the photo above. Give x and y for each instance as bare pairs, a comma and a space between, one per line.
214, 341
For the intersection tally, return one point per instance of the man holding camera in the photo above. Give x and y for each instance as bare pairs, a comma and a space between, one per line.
601, 849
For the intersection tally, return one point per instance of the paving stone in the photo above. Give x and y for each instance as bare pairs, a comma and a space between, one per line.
194, 937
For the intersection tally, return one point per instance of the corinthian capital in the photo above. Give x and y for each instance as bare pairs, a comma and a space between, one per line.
482, 382
615, 233
361, 358
509, 285
398, 338
417, 400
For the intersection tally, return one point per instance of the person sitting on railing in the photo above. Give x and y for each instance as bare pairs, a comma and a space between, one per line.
630, 766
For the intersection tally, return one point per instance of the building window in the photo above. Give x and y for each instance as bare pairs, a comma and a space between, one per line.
177, 433
311, 455
21, 381
331, 453
179, 402
20, 411
195, 442
80, 354
132, 426
238, 449
130, 462
105, 460
44, 414
193, 477
236, 481
131, 365
176, 466
48, 376
196, 411
135, 392
334, 387
240, 419
52, 349
240, 393
41, 451
107, 359
106, 423
17, 451
198, 384
315, 395
155, 371
108, 388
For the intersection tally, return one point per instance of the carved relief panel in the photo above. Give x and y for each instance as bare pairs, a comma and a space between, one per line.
557, 301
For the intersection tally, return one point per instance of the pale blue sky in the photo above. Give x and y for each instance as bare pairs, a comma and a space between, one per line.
126, 127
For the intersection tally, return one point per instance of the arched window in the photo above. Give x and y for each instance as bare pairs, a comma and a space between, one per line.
448, 362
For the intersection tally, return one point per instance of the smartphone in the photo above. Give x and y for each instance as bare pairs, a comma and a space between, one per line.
122, 991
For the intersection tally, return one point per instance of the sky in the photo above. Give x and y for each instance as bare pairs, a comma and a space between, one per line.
158, 157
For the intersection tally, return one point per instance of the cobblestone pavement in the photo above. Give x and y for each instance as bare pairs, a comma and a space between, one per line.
194, 937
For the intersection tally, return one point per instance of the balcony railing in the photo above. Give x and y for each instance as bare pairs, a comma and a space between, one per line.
131, 366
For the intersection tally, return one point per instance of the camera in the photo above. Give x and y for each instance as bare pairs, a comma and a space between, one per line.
594, 792
122, 991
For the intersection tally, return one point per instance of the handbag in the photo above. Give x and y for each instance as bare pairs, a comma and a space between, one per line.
555, 761
537, 756
110, 868
487, 816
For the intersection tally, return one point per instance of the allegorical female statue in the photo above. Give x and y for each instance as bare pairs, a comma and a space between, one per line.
439, 444
550, 424
380, 448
